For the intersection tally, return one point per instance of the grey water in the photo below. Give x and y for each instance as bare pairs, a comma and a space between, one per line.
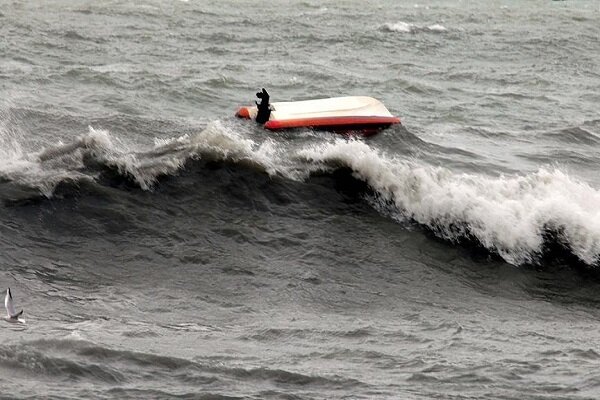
162, 248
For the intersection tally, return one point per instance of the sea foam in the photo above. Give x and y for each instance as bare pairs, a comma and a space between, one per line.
506, 214
510, 215
75, 160
405, 27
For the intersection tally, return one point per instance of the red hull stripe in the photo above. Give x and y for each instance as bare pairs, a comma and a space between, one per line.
332, 122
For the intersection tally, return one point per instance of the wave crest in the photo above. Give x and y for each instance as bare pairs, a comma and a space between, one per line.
405, 27
91, 154
515, 216
509, 215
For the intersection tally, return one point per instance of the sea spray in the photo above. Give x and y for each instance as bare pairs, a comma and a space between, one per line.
506, 214
509, 215
87, 154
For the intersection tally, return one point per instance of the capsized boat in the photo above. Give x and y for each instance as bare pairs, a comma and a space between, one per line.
339, 114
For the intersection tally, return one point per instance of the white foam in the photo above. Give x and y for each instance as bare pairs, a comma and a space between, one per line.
405, 27
507, 214
45, 169
168, 155
437, 28
16, 165
9, 139
230, 145
60, 162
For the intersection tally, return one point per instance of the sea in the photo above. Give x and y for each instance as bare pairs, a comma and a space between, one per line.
162, 248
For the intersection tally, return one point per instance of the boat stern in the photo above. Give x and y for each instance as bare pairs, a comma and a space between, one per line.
246, 112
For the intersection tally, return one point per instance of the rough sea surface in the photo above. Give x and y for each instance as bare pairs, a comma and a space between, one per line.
161, 248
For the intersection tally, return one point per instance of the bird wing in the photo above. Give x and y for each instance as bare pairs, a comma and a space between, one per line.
8, 303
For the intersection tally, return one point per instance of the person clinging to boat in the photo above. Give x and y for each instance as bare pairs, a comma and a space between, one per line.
264, 109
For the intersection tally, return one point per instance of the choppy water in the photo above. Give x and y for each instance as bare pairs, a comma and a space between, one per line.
163, 249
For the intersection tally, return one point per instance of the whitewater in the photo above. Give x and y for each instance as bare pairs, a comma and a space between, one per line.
162, 248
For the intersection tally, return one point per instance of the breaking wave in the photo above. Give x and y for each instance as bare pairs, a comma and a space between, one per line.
508, 215
514, 216
92, 153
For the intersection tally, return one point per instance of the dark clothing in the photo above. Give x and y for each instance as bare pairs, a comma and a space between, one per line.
264, 110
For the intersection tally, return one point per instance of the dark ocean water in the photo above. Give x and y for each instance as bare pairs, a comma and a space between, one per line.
162, 248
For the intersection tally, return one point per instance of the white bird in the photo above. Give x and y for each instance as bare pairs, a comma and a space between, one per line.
12, 315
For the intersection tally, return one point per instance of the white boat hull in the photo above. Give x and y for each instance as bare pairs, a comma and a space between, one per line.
336, 113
